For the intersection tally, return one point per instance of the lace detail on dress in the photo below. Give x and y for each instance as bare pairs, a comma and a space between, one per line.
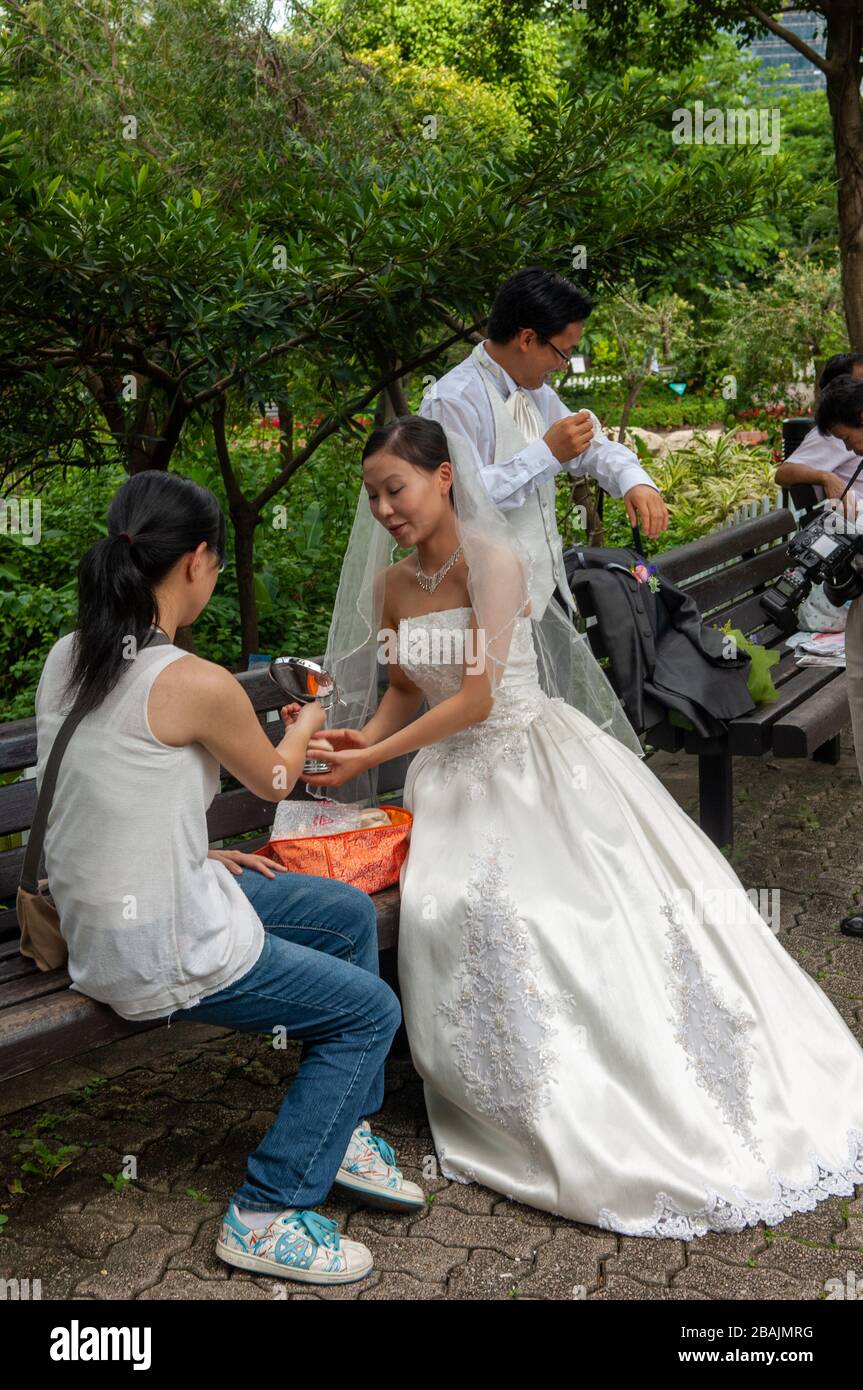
669, 1221
502, 1015
475, 752
468, 1176
713, 1035
500, 738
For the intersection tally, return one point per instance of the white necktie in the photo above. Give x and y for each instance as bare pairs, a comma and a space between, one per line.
525, 414
519, 404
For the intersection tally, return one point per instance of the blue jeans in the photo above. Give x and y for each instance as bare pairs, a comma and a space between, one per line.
317, 979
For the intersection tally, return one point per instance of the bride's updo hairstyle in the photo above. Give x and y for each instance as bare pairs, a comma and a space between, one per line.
414, 439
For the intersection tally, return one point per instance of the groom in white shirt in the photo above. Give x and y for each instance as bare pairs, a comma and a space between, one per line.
522, 431
839, 418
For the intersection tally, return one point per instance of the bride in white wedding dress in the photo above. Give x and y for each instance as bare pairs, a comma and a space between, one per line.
605, 1027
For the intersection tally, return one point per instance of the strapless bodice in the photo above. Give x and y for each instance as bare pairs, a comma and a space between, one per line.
432, 650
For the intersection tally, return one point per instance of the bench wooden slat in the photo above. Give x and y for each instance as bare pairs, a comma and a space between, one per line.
39, 1031
13, 965
17, 806
747, 614
771, 636
233, 812
8, 924
683, 561
751, 734
814, 721
11, 864
37, 984
17, 744
732, 582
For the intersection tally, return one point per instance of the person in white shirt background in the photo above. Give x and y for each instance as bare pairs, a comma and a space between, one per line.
826, 460
839, 417
535, 324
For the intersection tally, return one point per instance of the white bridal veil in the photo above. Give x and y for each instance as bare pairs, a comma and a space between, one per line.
499, 575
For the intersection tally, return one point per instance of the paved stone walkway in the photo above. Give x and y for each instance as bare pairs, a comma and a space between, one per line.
191, 1102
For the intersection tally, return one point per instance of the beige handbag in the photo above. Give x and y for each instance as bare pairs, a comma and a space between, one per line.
40, 928
41, 937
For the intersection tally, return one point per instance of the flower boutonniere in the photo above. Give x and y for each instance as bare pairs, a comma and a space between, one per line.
646, 574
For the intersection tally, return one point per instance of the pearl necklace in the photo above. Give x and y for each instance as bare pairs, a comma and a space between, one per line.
429, 582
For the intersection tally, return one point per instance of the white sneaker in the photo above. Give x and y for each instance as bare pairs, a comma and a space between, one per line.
299, 1244
369, 1170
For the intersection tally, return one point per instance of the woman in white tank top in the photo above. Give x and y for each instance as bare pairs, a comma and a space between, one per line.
156, 922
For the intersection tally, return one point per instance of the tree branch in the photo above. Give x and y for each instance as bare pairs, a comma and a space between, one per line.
794, 40
58, 47
325, 430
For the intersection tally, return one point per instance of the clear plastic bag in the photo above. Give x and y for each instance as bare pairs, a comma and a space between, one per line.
296, 820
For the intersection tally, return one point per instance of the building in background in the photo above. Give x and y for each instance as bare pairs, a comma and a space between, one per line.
774, 51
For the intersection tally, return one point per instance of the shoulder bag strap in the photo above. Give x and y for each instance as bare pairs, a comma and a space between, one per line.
29, 880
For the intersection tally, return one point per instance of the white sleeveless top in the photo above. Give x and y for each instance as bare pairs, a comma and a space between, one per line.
151, 924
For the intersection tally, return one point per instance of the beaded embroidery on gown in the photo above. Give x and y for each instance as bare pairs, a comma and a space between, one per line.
605, 1026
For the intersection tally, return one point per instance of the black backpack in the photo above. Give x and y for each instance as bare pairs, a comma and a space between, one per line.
662, 656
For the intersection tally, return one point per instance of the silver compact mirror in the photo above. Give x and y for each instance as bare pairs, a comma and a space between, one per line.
304, 681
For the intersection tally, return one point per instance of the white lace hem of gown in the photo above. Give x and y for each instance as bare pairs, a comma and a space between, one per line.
670, 1222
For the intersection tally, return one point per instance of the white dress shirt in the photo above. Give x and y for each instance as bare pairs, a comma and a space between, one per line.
829, 455
459, 402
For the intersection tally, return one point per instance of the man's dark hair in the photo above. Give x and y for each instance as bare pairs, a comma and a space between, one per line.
840, 404
840, 365
538, 299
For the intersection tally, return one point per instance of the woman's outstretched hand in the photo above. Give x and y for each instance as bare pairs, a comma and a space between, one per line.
328, 739
345, 763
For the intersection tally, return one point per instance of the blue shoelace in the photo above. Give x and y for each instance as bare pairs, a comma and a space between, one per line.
387, 1153
321, 1229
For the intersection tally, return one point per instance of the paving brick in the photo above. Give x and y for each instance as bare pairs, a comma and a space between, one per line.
133, 1265
722, 1279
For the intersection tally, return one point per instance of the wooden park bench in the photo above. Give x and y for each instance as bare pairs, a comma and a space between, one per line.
812, 709
41, 1018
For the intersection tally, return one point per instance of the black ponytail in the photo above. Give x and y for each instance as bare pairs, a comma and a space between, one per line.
163, 516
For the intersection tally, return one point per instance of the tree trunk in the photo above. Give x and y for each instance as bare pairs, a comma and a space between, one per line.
582, 496
286, 432
398, 399
632, 395
245, 521
843, 97
139, 453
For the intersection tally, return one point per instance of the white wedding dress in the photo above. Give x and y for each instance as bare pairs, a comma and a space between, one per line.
592, 1041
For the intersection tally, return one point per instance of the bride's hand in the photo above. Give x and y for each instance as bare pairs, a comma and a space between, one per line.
345, 763
328, 739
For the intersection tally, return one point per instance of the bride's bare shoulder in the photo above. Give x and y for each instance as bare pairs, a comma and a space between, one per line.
397, 585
